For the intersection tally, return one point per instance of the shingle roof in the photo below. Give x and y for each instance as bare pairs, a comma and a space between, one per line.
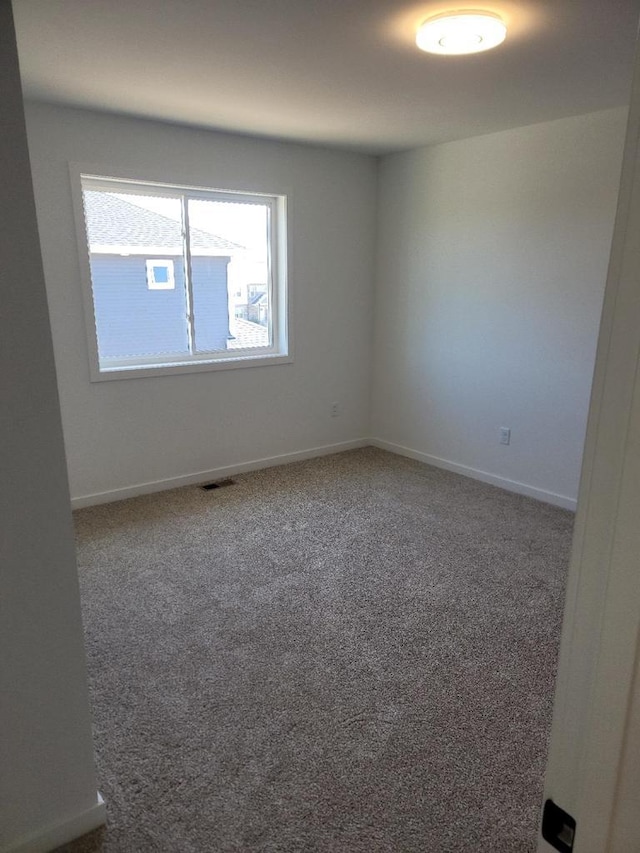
112, 221
248, 334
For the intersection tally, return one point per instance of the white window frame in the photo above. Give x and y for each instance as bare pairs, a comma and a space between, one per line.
152, 265
280, 350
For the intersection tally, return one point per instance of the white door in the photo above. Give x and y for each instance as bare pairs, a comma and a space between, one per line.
593, 770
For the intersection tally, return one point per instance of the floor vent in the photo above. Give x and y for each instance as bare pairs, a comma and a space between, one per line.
219, 484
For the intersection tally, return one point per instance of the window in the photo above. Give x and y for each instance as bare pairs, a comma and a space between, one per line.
181, 278
160, 275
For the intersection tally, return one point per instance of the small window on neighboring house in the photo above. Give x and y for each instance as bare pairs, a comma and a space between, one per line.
160, 275
204, 248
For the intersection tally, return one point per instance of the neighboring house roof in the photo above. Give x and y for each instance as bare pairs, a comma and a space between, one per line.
248, 334
121, 227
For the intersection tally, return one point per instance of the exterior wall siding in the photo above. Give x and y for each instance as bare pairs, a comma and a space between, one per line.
210, 302
132, 320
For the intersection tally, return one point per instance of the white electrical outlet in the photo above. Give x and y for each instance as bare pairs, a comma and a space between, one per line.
505, 435
335, 410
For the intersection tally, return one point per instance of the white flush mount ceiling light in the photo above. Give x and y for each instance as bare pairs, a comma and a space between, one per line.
456, 33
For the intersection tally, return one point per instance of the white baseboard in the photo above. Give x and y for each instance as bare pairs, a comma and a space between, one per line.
61, 833
311, 453
475, 474
214, 474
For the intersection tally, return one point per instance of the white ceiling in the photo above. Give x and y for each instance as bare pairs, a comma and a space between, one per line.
335, 72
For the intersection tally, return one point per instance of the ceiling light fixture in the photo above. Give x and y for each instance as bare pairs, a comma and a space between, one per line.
460, 32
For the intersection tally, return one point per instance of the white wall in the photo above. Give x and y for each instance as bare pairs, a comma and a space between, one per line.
491, 263
120, 434
492, 260
47, 782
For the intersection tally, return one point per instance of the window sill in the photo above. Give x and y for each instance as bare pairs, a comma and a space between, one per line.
101, 374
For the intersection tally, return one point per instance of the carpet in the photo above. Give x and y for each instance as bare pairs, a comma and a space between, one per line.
353, 654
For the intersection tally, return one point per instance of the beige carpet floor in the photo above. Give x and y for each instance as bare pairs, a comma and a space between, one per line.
354, 654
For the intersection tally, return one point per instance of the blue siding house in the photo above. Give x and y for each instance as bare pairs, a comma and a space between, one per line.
137, 273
